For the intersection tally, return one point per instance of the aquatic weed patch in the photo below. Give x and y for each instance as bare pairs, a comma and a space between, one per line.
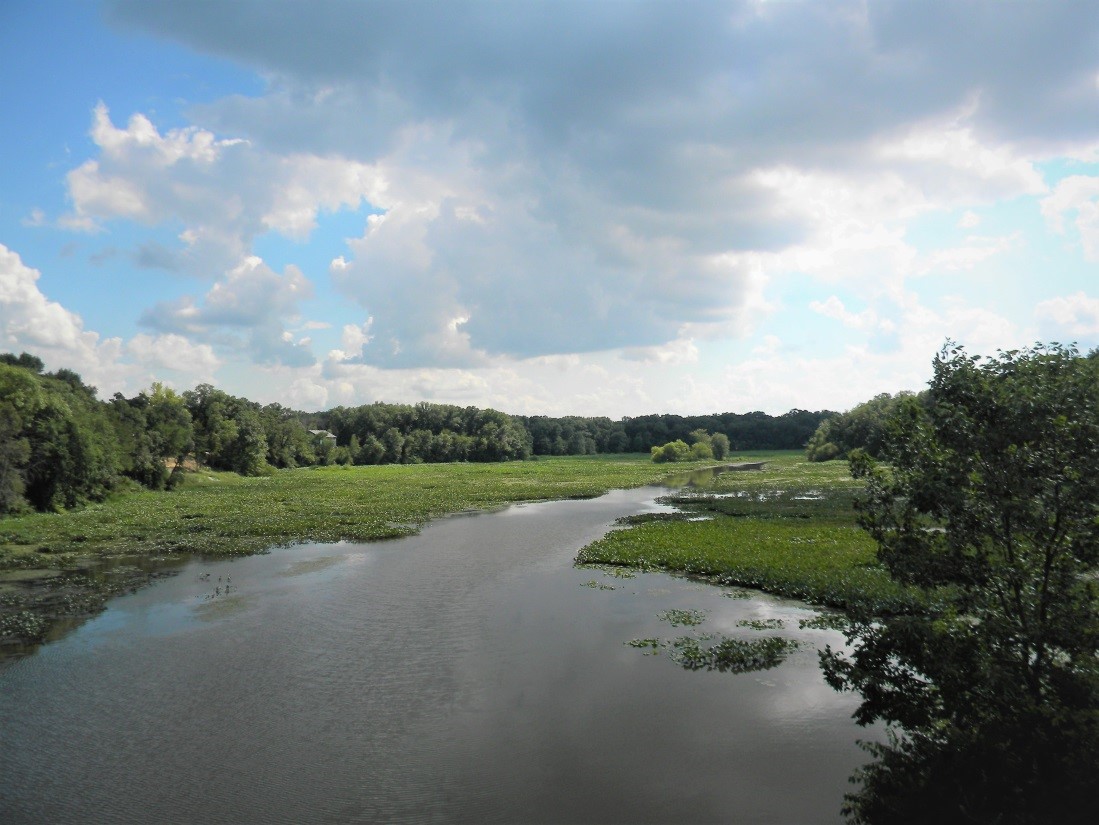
729, 655
828, 565
762, 624
594, 585
738, 593
682, 618
650, 646
787, 487
826, 621
708, 651
611, 570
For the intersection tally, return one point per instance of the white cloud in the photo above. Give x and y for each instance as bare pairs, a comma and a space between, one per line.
30, 322
974, 251
834, 308
953, 162
969, 220
681, 351
226, 192
1077, 194
1077, 315
29, 319
36, 218
248, 310
174, 352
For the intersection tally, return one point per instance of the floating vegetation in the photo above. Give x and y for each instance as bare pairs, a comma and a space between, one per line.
614, 571
730, 655
762, 624
594, 585
737, 593
682, 618
825, 621
651, 647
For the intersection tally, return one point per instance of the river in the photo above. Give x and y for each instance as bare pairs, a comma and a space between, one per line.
466, 674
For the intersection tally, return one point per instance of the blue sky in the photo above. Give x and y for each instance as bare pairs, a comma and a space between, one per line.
608, 208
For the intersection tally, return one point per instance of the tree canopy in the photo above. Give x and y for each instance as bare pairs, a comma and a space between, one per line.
989, 506
861, 427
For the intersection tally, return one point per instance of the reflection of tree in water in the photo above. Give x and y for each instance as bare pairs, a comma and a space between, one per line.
991, 509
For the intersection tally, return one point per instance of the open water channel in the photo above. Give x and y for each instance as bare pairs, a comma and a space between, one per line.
466, 674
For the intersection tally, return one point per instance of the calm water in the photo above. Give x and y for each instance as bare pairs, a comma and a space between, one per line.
462, 675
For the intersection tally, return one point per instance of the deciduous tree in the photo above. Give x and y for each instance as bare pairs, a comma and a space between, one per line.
989, 506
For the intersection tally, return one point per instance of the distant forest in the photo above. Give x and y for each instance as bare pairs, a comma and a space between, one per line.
61, 447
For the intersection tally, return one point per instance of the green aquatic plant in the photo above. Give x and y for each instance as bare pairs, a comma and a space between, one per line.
677, 618
610, 570
761, 624
594, 585
825, 621
730, 655
737, 593
650, 646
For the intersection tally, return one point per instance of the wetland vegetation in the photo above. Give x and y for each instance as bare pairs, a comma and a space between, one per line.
55, 567
788, 528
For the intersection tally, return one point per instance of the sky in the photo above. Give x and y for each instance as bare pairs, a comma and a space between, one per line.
604, 207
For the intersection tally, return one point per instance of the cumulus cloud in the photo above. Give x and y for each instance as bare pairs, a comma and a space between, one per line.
1077, 195
174, 352
28, 318
834, 308
30, 322
552, 181
245, 311
224, 191
572, 200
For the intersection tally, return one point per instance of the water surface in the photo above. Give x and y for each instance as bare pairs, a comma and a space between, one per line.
466, 674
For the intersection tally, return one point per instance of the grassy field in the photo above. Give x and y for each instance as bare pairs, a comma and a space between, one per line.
788, 529
222, 513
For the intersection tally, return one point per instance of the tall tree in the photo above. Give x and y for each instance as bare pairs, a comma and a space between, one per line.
990, 506
21, 398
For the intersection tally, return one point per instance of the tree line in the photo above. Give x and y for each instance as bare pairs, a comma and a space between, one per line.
61, 447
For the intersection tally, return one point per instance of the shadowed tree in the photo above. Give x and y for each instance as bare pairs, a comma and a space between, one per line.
990, 506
